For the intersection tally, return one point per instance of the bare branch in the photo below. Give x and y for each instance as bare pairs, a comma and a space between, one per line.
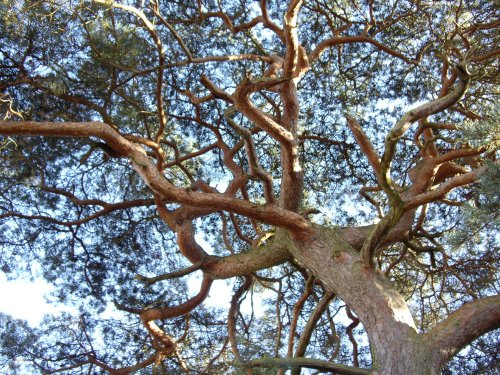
293, 51
160, 313
443, 189
258, 257
463, 326
318, 51
349, 329
317, 364
168, 276
364, 143
231, 318
297, 309
306, 335
270, 214
267, 21
245, 106
253, 162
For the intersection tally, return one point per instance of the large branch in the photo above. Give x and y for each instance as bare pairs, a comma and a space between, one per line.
291, 39
68, 129
463, 326
270, 214
295, 65
160, 313
258, 257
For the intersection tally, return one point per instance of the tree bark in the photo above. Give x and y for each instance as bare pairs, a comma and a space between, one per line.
462, 327
397, 348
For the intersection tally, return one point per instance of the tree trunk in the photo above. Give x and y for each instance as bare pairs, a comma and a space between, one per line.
396, 345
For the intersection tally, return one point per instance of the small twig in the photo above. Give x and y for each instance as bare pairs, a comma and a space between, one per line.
172, 275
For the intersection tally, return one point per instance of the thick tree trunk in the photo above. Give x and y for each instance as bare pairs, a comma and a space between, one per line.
396, 346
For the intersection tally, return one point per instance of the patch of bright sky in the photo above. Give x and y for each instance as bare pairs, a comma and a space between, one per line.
24, 299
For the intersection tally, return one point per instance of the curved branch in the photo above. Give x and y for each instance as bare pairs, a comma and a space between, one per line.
318, 51
318, 311
172, 312
410, 117
270, 214
443, 189
67, 129
256, 169
188, 245
391, 141
159, 313
241, 99
349, 330
463, 326
267, 21
125, 370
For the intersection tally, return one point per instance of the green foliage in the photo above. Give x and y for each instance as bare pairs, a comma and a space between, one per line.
486, 132
481, 218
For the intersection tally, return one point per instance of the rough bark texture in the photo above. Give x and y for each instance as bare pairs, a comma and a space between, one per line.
380, 308
462, 327
397, 348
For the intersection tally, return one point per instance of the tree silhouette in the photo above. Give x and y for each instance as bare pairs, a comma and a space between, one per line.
333, 161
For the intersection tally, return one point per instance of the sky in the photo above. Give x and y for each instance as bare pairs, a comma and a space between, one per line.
24, 299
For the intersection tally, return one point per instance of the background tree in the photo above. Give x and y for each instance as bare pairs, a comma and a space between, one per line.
337, 157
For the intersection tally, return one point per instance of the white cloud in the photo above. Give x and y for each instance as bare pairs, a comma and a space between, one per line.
24, 299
